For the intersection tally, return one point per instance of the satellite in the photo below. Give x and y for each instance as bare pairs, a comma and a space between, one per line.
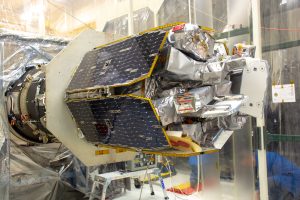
169, 91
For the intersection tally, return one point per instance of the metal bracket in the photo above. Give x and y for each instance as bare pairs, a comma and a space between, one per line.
257, 138
281, 138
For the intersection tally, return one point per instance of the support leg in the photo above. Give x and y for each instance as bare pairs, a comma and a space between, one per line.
150, 183
162, 185
104, 189
93, 190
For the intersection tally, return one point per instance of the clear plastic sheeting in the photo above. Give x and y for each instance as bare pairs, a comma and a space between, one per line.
117, 26
210, 176
280, 38
30, 180
21, 50
243, 165
219, 11
30, 173
38, 171
283, 121
279, 22
50, 171
4, 152
4, 139
173, 11
30, 37
143, 19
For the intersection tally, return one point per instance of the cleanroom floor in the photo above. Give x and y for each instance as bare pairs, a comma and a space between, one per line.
224, 193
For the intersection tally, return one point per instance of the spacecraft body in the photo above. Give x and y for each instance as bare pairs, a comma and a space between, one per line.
135, 92
172, 87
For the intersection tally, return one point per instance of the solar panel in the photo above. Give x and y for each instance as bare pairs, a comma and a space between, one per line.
119, 63
125, 121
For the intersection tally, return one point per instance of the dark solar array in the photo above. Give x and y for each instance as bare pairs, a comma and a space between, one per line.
122, 121
118, 63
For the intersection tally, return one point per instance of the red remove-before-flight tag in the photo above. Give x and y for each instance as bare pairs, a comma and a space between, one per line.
178, 27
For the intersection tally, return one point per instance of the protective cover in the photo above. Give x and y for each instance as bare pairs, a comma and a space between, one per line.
33, 177
192, 40
23, 50
25, 177
166, 110
181, 67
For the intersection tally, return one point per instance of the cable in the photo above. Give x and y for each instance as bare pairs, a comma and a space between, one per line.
198, 183
141, 191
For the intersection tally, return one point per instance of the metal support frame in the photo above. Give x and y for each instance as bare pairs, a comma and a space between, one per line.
233, 33
262, 158
281, 138
262, 167
283, 45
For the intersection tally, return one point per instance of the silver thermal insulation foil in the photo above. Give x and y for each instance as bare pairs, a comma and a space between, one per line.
193, 100
180, 67
194, 131
166, 110
223, 89
192, 40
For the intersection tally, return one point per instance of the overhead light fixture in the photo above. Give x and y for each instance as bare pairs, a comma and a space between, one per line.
26, 16
283, 2
32, 11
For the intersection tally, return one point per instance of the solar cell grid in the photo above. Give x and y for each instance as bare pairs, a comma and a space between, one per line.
120, 121
118, 63
124, 121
